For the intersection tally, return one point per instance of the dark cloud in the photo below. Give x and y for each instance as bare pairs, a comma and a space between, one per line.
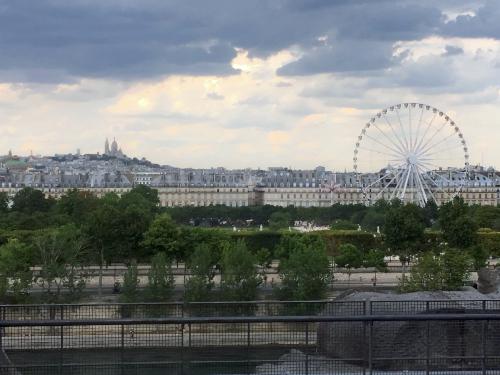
345, 56
483, 23
391, 21
52, 41
62, 41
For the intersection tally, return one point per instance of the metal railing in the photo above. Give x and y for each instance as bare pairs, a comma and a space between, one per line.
427, 343
178, 309
49, 312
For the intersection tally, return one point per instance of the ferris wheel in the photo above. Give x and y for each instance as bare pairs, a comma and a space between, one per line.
412, 152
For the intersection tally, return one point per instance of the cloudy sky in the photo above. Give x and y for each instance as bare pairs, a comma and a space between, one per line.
241, 83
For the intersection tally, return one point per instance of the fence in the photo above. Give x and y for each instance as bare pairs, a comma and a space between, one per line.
431, 342
178, 309
119, 270
227, 308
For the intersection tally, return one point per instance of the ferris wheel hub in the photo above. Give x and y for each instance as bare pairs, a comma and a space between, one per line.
412, 159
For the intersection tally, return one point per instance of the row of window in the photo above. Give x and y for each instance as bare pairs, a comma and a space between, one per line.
296, 203
188, 190
203, 203
305, 195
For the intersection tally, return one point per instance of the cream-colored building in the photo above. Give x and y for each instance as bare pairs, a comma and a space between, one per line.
205, 196
294, 196
239, 196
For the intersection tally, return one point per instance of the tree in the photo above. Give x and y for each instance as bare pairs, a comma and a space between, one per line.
29, 200
462, 233
191, 238
485, 216
61, 255
130, 287
479, 256
102, 231
404, 230
150, 194
264, 259
343, 225
305, 273
77, 205
459, 230
4, 202
372, 220
291, 241
457, 266
431, 213
16, 276
349, 257
163, 236
135, 214
375, 258
202, 266
240, 279
446, 271
279, 220
426, 274
160, 279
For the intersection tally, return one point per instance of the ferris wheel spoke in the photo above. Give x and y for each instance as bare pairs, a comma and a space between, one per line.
432, 137
427, 164
436, 144
424, 185
431, 166
394, 132
413, 186
418, 128
422, 177
443, 150
394, 160
384, 145
387, 186
398, 182
389, 139
406, 182
420, 187
429, 125
444, 180
403, 131
399, 157
401, 178
410, 128
380, 179
440, 188
431, 176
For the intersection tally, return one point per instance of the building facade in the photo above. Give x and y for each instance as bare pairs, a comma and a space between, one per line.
114, 172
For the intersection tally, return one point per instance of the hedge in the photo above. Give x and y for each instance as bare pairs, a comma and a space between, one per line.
490, 241
258, 240
23, 235
333, 239
363, 240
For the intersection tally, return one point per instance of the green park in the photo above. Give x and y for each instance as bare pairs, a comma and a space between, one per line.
51, 250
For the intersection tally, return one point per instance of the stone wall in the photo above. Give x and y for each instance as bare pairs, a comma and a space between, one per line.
412, 339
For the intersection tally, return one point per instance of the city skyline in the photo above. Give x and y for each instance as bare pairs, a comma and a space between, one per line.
117, 152
290, 83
